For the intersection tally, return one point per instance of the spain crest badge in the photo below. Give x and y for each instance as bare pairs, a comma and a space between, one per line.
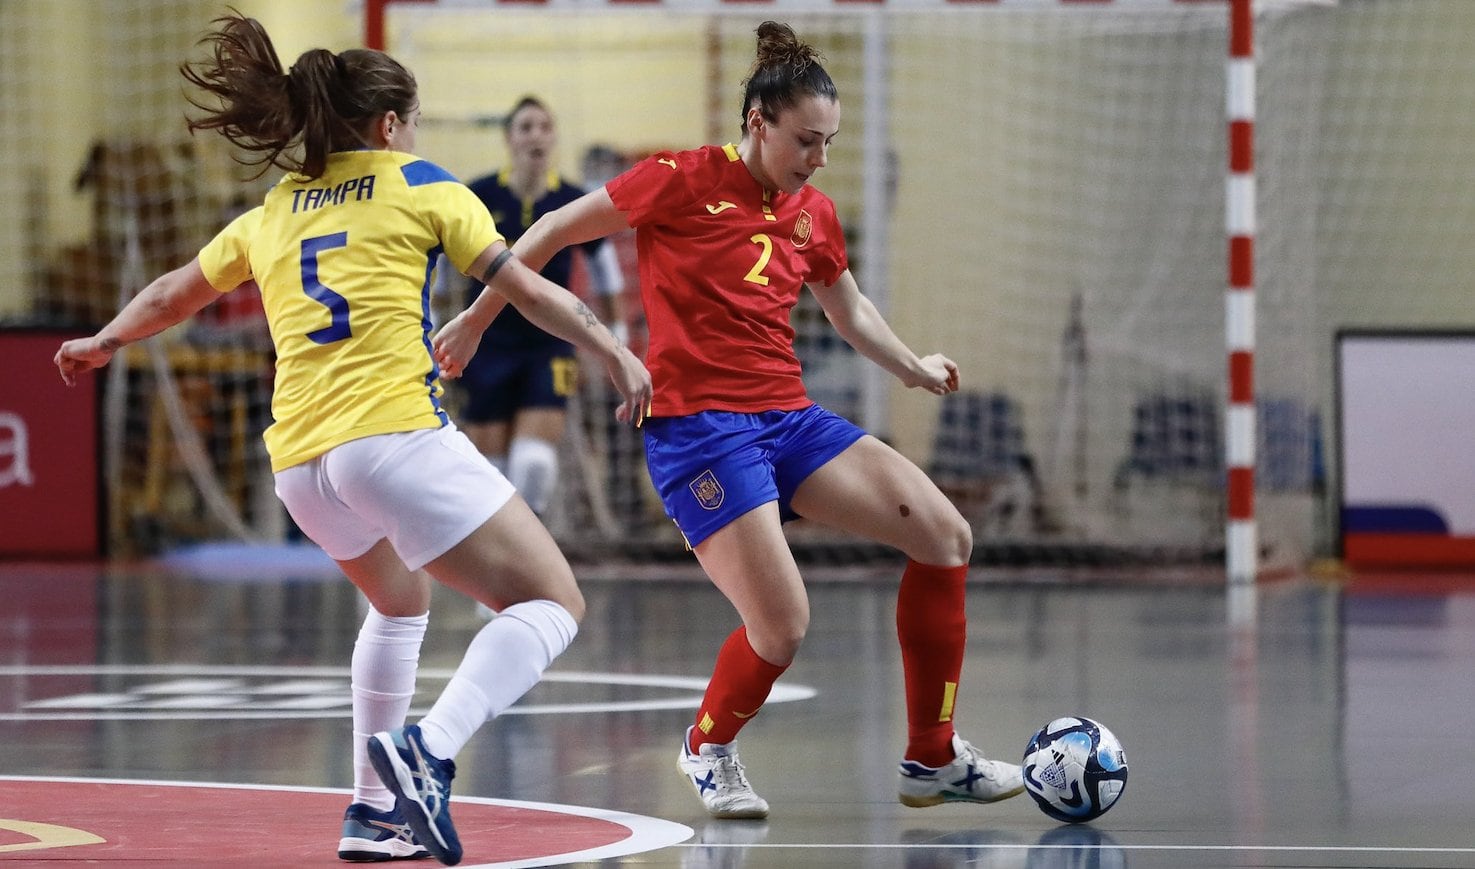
707, 490
803, 226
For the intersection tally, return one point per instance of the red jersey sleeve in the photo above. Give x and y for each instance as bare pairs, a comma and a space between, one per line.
827, 258
657, 185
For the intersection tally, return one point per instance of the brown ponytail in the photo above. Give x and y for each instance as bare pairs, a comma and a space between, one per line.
327, 102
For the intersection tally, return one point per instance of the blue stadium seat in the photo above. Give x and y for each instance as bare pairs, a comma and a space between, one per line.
1176, 438
1289, 456
980, 461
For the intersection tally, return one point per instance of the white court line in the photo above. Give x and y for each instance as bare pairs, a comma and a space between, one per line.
646, 833
649, 834
1089, 846
691, 698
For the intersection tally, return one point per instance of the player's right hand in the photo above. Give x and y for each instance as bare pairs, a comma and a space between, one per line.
79, 355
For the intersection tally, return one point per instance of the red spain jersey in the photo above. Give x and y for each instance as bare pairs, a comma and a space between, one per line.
722, 262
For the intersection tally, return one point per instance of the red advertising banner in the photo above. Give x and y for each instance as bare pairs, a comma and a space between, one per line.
49, 491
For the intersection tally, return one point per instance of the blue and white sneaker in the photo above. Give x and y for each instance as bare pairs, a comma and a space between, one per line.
970, 778
373, 836
720, 783
421, 784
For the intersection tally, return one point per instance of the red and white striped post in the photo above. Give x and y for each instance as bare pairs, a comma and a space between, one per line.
1241, 548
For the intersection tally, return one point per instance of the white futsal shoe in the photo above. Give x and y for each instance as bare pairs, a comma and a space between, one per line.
970, 778
717, 775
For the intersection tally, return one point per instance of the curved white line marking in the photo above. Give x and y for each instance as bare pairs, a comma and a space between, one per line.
646, 833
690, 698
1089, 846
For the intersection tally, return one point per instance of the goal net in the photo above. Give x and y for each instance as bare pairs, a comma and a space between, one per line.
1035, 189
110, 191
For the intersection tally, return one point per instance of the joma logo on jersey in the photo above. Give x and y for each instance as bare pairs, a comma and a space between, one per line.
803, 227
310, 198
721, 206
708, 491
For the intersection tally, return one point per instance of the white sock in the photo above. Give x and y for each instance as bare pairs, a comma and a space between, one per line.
532, 466
385, 659
504, 661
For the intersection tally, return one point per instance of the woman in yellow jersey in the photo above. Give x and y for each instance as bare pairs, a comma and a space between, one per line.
365, 459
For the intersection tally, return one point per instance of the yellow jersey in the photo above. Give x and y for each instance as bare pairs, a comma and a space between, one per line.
344, 264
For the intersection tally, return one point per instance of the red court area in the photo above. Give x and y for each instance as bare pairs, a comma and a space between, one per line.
146, 824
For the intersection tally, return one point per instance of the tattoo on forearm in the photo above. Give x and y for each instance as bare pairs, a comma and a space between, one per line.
583, 311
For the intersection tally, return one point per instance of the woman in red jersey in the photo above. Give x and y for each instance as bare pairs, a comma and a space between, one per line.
727, 236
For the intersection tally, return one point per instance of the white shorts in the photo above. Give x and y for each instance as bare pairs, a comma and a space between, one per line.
424, 490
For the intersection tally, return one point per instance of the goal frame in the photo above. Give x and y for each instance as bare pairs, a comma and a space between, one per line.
1241, 555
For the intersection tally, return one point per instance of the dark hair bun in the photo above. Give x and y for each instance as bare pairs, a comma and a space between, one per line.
778, 46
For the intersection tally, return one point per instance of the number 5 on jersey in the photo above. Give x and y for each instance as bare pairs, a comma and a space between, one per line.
337, 328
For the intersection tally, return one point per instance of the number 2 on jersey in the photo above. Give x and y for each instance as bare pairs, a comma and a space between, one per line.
755, 274
338, 328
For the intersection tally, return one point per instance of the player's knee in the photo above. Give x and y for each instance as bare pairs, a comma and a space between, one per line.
563, 590
958, 537
572, 601
778, 641
949, 540
550, 620
565, 594
532, 466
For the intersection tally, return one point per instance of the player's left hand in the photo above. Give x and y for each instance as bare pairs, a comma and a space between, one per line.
632, 380
938, 375
454, 345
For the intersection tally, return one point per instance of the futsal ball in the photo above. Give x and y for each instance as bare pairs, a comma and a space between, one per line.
1075, 769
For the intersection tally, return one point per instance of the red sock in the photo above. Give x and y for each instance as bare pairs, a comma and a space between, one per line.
739, 685
933, 629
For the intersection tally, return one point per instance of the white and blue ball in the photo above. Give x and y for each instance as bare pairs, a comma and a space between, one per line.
1075, 769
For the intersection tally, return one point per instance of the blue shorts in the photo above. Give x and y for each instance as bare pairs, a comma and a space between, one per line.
714, 466
496, 385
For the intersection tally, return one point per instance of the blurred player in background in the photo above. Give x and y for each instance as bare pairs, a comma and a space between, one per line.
728, 236
516, 388
366, 461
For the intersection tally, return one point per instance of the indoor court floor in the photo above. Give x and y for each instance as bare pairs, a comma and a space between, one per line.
194, 712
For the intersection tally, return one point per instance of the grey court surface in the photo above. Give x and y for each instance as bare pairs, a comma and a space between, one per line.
1306, 723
